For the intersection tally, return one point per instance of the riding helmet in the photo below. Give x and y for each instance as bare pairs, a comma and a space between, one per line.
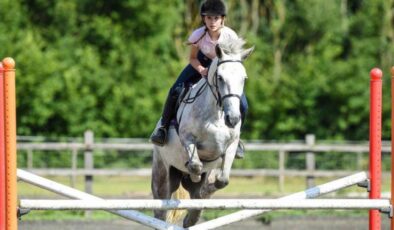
213, 8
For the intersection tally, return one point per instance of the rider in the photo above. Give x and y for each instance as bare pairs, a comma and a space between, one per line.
203, 41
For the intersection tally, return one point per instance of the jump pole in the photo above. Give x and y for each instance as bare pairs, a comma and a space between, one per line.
392, 143
82, 196
2, 154
375, 144
148, 204
311, 193
9, 110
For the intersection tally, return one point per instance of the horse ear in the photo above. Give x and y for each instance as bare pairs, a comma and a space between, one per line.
219, 51
246, 53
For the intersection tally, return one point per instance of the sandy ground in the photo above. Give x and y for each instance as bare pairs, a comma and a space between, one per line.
296, 223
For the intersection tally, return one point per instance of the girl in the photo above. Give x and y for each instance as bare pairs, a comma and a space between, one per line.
203, 41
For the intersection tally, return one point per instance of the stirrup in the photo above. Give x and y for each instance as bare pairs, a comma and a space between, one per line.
240, 154
158, 139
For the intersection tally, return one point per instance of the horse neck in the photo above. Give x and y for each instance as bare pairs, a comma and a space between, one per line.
208, 101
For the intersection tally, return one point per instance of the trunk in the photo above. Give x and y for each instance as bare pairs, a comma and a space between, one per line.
255, 16
387, 35
279, 44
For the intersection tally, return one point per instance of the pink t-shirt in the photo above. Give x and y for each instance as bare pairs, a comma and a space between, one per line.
206, 44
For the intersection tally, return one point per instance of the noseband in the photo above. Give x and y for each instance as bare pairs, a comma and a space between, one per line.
219, 98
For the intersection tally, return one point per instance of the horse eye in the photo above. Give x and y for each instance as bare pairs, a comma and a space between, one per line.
220, 78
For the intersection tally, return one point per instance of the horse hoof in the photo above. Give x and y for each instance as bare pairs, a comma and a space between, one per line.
219, 184
195, 178
195, 168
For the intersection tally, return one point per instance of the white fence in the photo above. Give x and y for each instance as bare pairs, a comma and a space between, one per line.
88, 146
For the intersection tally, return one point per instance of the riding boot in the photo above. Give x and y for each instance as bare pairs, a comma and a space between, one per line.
159, 136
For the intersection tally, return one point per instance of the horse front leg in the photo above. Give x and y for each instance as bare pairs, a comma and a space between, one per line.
194, 165
223, 176
195, 191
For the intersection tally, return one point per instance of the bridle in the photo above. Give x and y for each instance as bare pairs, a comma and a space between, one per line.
215, 88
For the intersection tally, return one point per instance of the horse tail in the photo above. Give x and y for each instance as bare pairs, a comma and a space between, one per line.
174, 216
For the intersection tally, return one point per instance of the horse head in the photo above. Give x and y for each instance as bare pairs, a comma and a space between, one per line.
227, 78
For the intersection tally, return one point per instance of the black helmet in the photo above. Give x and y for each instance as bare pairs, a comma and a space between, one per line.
213, 8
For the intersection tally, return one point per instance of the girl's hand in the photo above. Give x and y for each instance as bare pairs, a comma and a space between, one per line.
203, 71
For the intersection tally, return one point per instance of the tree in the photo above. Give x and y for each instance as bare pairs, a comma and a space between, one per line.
108, 65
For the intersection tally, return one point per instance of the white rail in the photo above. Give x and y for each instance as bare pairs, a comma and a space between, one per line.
73, 193
205, 204
310, 193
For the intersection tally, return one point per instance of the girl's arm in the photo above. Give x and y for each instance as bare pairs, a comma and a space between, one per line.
195, 62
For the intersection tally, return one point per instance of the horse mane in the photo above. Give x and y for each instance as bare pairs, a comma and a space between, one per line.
232, 46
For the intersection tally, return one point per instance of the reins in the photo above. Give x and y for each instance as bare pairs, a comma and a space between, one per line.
191, 99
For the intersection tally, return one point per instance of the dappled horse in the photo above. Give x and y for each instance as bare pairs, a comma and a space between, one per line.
201, 156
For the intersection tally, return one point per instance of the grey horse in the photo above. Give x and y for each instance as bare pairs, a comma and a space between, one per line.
201, 156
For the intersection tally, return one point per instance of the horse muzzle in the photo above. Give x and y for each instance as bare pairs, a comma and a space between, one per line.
231, 120
231, 110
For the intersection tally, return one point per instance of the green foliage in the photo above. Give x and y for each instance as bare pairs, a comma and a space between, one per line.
123, 159
107, 65
253, 160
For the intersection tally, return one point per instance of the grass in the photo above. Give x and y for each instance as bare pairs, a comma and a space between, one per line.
139, 187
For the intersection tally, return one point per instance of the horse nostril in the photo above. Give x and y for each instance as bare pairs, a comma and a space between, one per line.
231, 121
228, 120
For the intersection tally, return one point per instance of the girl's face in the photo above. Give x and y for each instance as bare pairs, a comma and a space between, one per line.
213, 23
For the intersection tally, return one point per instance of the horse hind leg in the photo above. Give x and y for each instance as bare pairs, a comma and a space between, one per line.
177, 192
160, 184
192, 217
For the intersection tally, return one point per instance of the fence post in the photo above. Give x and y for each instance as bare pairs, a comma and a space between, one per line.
310, 161
281, 170
74, 166
359, 161
88, 160
29, 158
